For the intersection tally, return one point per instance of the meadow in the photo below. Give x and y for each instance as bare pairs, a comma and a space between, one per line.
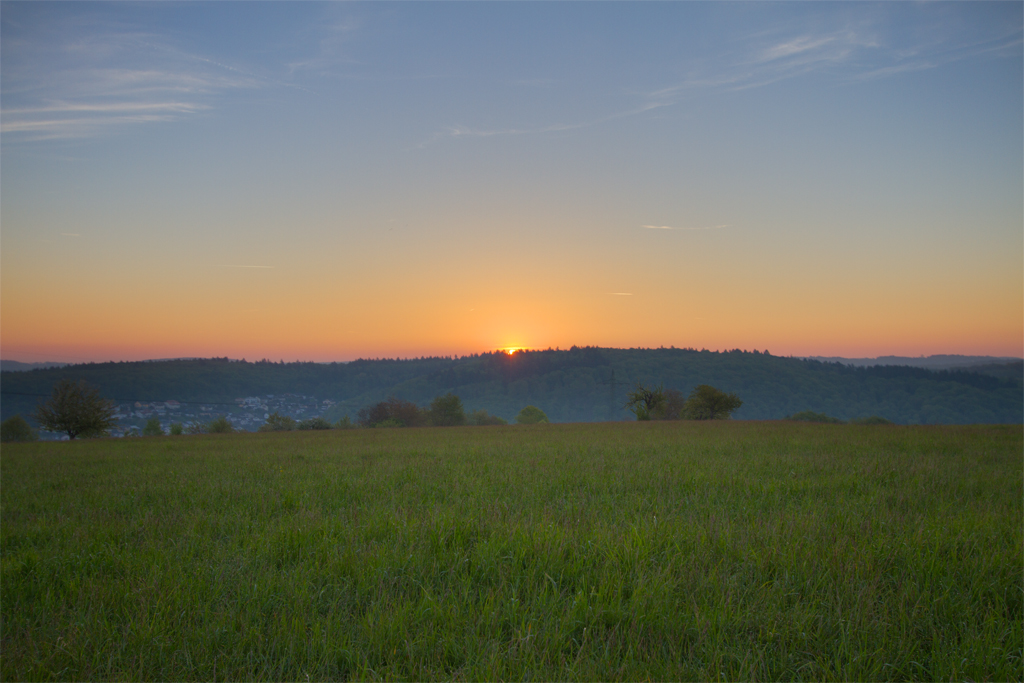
616, 551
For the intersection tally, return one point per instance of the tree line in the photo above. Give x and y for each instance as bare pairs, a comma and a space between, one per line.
78, 411
581, 384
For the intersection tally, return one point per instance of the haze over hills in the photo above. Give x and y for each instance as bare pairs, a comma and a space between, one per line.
575, 385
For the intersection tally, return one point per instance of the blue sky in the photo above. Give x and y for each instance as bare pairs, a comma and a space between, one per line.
332, 180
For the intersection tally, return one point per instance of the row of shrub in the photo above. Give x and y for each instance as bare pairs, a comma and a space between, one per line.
444, 411
811, 416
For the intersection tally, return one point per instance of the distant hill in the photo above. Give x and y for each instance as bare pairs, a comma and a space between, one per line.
18, 366
585, 384
938, 362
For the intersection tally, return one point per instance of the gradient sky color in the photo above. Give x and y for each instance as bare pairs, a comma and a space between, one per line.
331, 181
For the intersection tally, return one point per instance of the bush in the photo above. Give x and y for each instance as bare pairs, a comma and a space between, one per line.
220, 426
673, 406
811, 416
177, 429
344, 423
446, 411
314, 423
278, 423
17, 428
481, 418
873, 420
394, 411
707, 403
196, 427
153, 427
531, 415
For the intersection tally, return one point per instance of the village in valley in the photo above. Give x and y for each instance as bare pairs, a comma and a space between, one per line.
245, 414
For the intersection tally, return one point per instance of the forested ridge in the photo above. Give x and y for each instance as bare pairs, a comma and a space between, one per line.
581, 384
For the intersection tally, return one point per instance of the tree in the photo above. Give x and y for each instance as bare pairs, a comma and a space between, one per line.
220, 425
645, 403
446, 411
707, 403
17, 428
76, 409
531, 415
393, 412
314, 423
277, 422
674, 406
153, 427
195, 427
177, 429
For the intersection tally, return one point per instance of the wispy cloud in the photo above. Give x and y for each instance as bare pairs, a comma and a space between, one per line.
621, 293
76, 85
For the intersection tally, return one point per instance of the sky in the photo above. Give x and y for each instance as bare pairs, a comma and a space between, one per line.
328, 181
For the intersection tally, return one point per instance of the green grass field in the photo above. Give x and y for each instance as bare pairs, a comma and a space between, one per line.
672, 550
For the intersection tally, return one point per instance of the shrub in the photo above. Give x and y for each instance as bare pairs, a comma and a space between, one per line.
673, 406
220, 426
17, 428
873, 420
278, 423
394, 411
707, 403
177, 429
153, 427
344, 423
481, 418
446, 411
811, 416
195, 427
531, 415
314, 423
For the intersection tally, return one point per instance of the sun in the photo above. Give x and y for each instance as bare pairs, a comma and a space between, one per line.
512, 349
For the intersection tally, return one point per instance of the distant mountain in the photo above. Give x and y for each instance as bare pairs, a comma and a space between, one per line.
18, 366
938, 362
575, 385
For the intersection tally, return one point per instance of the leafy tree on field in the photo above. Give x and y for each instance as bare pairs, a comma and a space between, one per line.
76, 409
344, 423
394, 411
707, 403
811, 416
153, 427
314, 423
531, 415
645, 403
481, 418
446, 411
17, 428
278, 423
221, 425
177, 429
